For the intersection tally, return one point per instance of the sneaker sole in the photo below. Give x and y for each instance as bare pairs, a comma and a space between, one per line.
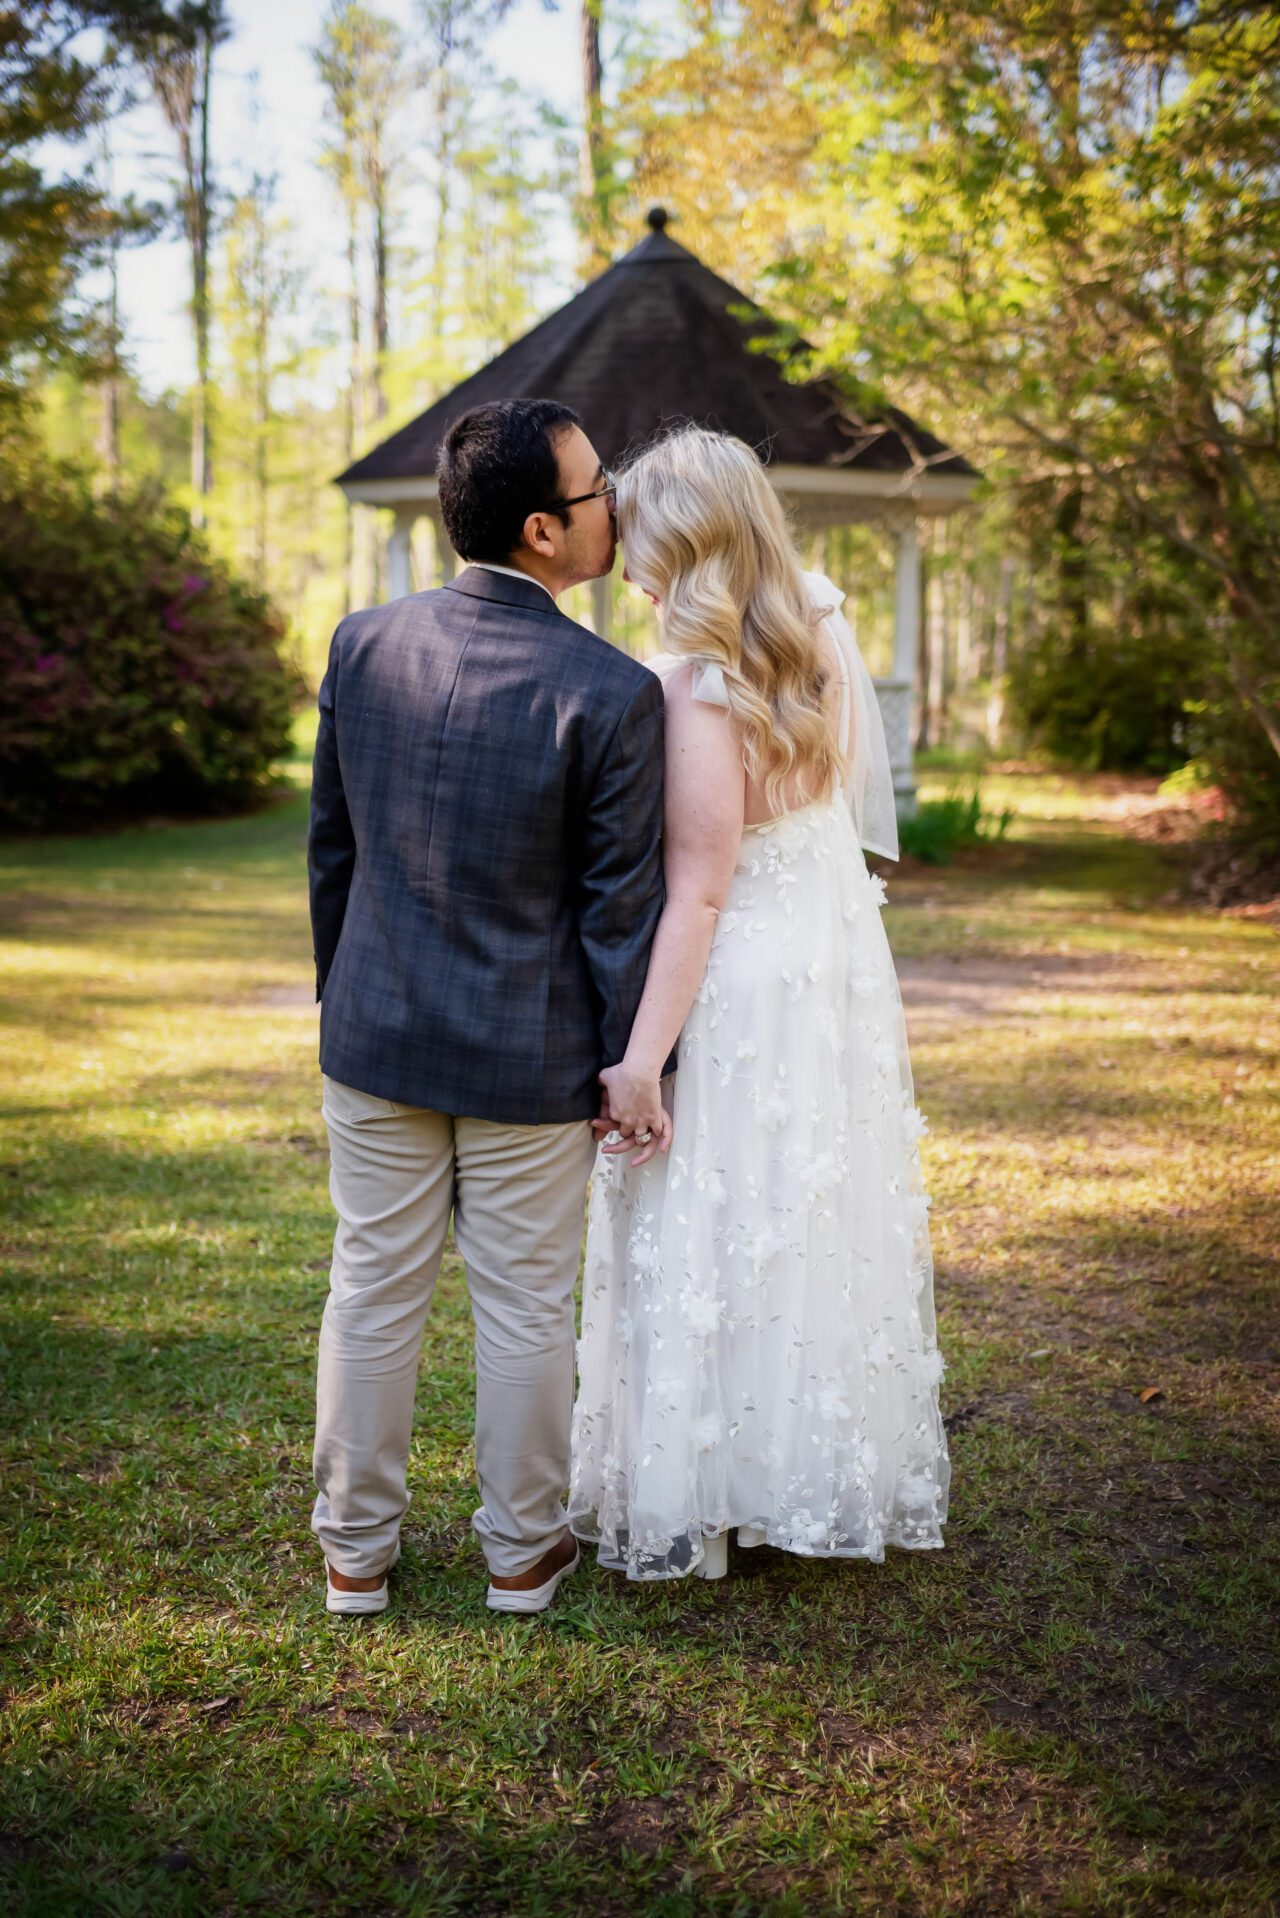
358, 1604
538, 1599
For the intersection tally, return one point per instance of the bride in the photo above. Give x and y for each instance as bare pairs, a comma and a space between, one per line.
758, 1347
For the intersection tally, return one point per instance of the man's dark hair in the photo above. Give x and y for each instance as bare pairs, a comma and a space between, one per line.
497, 465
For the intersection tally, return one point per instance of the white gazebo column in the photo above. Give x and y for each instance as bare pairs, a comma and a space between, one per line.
399, 570
906, 601
895, 694
446, 558
602, 605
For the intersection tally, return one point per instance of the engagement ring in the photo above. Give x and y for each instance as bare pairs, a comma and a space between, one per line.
643, 1138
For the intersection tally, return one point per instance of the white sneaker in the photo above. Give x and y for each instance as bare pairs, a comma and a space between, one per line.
537, 1599
358, 1604
715, 1556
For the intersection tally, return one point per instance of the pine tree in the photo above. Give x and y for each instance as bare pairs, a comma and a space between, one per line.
180, 68
362, 63
259, 294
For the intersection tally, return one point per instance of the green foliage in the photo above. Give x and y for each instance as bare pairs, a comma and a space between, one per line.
139, 671
1187, 781
1054, 233
1242, 763
1114, 704
940, 828
448, 182
1120, 652
49, 224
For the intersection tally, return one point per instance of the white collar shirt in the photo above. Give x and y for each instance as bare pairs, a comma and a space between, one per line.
513, 572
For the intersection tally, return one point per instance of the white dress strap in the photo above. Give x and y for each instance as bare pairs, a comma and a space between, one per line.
707, 685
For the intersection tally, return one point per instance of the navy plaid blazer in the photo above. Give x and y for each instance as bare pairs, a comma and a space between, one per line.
484, 852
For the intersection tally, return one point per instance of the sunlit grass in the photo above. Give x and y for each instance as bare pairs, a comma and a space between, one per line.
1070, 1709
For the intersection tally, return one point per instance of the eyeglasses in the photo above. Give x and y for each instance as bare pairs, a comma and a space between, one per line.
608, 491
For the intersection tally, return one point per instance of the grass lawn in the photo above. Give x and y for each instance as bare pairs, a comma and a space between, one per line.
1071, 1709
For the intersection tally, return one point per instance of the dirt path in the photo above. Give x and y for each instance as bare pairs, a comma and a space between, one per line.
1007, 988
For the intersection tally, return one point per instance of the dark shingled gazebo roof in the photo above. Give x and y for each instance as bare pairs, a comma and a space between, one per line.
656, 339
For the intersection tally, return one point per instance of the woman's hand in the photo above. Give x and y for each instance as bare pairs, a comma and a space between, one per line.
635, 1109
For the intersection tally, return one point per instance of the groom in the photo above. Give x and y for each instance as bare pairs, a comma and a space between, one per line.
485, 882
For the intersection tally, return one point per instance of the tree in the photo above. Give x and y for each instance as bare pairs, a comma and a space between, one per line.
51, 90
124, 221
1055, 229
259, 293
495, 287
452, 30
1081, 227
362, 64
474, 266
180, 68
723, 132
109, 426
594, 171
339, 162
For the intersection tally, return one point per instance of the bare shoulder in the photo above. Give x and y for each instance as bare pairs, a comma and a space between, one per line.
703, 745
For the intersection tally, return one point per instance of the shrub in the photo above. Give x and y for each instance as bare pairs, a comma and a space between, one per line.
1235, 753
940, 828
1115, 704
138, 670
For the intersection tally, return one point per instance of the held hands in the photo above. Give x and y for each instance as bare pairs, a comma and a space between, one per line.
631, 1104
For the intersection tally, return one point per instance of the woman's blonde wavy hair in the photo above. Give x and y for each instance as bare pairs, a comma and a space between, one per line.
704, 532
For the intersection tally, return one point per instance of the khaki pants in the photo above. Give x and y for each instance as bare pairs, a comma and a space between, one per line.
517, 1194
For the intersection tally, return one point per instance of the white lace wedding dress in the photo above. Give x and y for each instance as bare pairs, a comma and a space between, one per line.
758, 1346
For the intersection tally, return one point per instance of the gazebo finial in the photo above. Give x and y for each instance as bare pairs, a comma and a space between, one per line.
657, 217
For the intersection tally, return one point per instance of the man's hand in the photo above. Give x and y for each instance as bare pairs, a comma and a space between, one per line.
633, 1105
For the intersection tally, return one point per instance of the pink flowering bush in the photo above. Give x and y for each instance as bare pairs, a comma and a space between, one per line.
138, 671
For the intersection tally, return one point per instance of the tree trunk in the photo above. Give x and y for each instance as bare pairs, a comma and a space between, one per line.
447, 20
201, 192
261, 402
353, 411
924, 641
109, 419
1000, 652
591, 162
944, 654
378, 211
444, 160
378, 197
1073, 586
968, 617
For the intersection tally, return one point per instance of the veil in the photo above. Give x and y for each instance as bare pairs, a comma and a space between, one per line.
869, 782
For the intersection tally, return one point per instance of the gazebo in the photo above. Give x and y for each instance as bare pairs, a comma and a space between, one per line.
658, 338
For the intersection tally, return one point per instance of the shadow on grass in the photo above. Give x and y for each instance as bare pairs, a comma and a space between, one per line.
1039, 1687
1085, 1654
187, 1193
248, 841
1065, 1711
